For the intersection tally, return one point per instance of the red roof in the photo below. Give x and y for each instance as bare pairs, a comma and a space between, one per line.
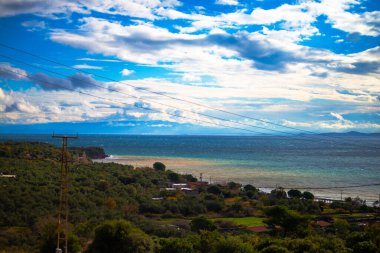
323, 223
258, 229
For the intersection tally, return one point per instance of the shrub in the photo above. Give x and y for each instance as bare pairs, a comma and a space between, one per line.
159, 166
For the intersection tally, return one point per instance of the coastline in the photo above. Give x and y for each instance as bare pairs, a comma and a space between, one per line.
215, 171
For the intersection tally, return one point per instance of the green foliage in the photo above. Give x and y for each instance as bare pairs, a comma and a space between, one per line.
294, 193
214, 189
290, 221
278, 193
233, 245
275, 249
91, 152
120, 236
190, 178
233, 185
245, 221
159, 166
341, 226
173, 177
307, 195
249, 187
201, 223
49, 244
100, 191
175, 245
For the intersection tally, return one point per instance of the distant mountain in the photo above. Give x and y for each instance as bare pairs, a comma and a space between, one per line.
352, 133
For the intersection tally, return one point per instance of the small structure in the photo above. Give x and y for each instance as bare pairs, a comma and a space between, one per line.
7, 176
179, 186
322, 223
259, 229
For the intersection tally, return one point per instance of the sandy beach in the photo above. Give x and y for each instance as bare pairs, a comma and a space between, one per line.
219, 171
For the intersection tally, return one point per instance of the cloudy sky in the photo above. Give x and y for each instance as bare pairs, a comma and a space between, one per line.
163, 66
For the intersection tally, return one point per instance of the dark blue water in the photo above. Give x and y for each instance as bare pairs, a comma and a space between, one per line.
289, 161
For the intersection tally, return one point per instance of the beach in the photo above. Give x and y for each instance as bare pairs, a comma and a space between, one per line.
216, 172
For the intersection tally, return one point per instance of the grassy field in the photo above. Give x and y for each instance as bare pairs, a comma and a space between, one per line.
246, 221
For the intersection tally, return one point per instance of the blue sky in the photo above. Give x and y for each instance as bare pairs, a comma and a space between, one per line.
312, 65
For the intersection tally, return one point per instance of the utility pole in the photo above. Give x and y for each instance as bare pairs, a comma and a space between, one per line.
63, 212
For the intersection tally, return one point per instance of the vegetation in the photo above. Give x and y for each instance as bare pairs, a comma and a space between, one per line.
245, 221
159, 166
118, 208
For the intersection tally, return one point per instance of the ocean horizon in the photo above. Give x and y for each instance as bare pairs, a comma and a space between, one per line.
266, 162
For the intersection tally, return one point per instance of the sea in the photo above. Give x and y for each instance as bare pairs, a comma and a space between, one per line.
329, 166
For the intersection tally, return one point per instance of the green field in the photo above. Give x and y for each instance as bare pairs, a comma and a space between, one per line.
246, 221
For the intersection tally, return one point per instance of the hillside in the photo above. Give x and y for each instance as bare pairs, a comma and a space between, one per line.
143, 202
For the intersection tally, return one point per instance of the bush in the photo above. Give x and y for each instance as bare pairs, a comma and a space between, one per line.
294, 193
201, 223
159, 166
233, 245
308, 195
175, 245
120, 236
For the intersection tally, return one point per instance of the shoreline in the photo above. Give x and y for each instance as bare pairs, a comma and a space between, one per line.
213, 172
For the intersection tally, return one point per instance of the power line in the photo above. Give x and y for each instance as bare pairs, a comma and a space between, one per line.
180, 99
147, 100
155, 92
145, 108
176, 115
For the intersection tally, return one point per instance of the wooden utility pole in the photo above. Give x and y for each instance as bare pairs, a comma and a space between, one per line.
63, 211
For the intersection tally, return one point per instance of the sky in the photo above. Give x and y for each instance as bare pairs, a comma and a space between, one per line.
189, 67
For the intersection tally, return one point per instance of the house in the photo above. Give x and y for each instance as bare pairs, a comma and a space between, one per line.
179, 186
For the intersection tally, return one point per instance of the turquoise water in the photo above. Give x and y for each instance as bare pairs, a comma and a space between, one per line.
263, 161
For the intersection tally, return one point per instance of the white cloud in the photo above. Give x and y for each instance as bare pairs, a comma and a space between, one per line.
245, 68
227, 2
7, 71
98, 60
34, 25
54, 8
189, 77
85, 66
127, 72
337, 115
12, 102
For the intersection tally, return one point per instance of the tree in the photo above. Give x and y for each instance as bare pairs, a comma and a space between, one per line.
159, 166
294, 193
120, 236
275, 249
290, 221
308, 195
278, 193
190, 178
233, 185
175, 245
173, 177
214, 189
201, 223
249, 187
233, 245
49, 244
